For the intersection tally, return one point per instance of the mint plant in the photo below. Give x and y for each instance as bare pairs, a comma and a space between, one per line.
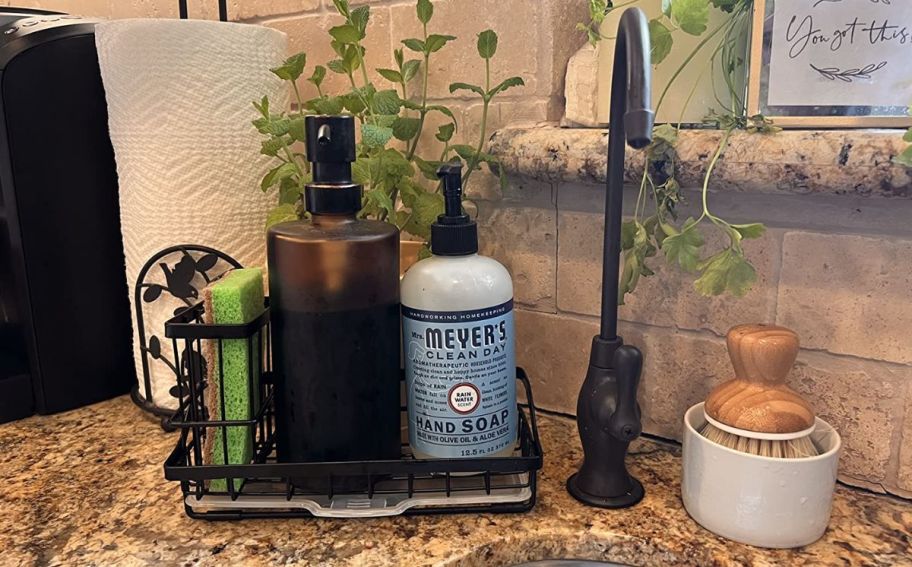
905, 158
400, 186
682, 242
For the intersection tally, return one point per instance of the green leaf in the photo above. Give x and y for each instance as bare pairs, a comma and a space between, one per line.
296, 129
464, 151
354, 102
411, 105
753, 230
391, 75
593, 36
385, 120
338, 66
289, 191
410, 69
359, 18
374, 136
466, 87
292, 68
272, 146
660, 37
283, 213
628, 231
341, 7
597, 9
414, 44
726, 271
427, 168
487, 44
907, 137
277, 174
405, 128
325, 105
275, 125
345, 34
905, 158
442, 110
395, 166
386, 102
425, 252
683, 248
425, 209
350, 57
665, 133
666, 7
425, 11
361, 170
506, 84
435, 42
399, 57
409, 192
692, 16
726, 5
445, 132
634, 257
380, 200
262, 106
318, 75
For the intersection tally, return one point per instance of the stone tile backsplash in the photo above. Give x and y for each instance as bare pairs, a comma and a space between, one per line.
842, 281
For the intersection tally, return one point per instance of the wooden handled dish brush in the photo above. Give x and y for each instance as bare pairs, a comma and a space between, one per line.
757, 412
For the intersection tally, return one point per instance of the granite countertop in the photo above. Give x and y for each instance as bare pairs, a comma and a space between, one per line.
86, 487
854, 162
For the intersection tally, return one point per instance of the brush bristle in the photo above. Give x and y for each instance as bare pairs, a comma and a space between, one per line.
792, 449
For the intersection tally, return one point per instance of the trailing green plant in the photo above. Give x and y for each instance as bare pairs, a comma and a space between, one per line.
682, 242
400, 186
905, 158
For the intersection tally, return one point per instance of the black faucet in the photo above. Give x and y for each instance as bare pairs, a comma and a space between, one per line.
607, 412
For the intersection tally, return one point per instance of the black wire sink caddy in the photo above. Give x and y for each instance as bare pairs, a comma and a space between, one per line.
266, 488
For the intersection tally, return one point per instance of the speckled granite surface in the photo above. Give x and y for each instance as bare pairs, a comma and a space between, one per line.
856, 162
86, 488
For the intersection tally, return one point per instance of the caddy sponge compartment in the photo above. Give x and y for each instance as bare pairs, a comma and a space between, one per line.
233, 370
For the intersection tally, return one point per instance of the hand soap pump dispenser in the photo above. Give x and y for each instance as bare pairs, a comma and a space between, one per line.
457, 325
334, 297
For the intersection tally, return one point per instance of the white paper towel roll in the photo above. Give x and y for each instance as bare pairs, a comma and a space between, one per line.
179, 98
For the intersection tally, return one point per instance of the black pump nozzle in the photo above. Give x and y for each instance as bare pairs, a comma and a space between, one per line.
454, 233
330, 143
450, 175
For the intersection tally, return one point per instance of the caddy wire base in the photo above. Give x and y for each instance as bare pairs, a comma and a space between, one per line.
266, 488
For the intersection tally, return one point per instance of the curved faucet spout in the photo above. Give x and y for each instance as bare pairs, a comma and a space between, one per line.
607, 413
632, 60
631, 118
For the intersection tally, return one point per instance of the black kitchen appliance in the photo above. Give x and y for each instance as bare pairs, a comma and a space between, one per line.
65, 336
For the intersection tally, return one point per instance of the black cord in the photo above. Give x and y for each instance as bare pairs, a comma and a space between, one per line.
223, 10
182, 9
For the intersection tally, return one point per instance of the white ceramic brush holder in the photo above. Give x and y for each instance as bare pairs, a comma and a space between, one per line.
762, 501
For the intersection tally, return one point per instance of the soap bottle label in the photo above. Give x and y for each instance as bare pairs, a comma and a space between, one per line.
460, 372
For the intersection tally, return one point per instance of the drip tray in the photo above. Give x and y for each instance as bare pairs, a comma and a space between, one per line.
392, 500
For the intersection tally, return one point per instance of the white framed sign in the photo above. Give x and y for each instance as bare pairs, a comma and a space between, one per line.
832, 63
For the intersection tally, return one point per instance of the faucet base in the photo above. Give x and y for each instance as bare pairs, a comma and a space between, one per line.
630, 498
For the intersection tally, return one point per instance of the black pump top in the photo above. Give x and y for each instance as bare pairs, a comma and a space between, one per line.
454, 233
331, 149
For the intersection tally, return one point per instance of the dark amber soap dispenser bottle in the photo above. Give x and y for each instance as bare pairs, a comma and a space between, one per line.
334, 295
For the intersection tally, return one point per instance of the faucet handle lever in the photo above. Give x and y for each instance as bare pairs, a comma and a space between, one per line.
624, 424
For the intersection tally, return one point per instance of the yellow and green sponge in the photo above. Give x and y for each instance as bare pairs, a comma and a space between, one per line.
235, 298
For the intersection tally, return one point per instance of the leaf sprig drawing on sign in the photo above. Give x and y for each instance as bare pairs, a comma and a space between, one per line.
848, 75
841, 53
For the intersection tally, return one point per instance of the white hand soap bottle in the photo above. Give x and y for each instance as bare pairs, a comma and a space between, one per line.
457, 325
